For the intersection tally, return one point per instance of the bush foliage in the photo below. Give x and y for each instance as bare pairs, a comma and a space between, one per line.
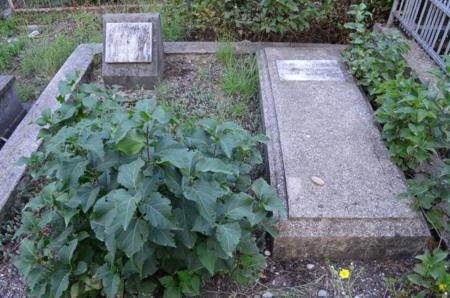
138, 203
416, 128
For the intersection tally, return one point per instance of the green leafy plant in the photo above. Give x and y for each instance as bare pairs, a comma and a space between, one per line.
373, 58
411, 115
136, 203
9, 52
432, 274
240, 17
432, 197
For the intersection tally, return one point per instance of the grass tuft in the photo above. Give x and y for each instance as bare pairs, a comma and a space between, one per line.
240, 78
9, 52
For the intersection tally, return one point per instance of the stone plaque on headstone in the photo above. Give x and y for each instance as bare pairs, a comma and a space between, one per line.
309, 70
133, 51
128, 42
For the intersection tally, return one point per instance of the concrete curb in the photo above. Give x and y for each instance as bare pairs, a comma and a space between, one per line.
23, 141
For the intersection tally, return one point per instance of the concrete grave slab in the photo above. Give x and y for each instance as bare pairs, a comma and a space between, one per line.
133, 50
330, 166
11, 110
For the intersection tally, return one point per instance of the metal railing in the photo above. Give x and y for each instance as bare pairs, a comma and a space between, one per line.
428, 21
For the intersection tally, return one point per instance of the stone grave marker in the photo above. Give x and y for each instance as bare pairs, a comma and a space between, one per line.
11, 110
133, 54
328, 162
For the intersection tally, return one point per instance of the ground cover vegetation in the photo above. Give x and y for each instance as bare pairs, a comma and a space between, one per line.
415, 126
137, 202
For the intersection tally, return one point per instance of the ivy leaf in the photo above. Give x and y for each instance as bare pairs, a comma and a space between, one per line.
228, 236
129, 174
205, 195
133, 238
213, 165
157, 210
126, 205
132, 143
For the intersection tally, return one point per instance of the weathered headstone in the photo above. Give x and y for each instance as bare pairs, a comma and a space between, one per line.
329, 164
11, 110
133, 54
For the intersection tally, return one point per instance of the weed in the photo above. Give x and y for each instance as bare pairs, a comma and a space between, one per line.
344, 279
396, 289
88, 28
241, 78
9, 51
47, 57
8, 27
226, 53
26, 92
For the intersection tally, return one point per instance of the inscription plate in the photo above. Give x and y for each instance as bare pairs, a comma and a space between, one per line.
128, 43
309, 70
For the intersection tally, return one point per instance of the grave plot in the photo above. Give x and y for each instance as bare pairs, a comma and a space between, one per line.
329, 164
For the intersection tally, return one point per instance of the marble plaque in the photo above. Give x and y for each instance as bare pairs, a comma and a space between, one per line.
128, 43
309, 70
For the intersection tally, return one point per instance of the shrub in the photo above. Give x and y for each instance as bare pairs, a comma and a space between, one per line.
373, 58
411, 116
136, 202
221, 17
415, 119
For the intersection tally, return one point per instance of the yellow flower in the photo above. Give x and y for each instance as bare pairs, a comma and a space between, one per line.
442, 287
344, 273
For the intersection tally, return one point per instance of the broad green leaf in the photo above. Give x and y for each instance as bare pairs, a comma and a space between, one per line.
111, 281
66, 252
207, 256
161, 237
133, 238
205, 195
85, 195
238, 206
60, 283
213, 165
189, 283
185, 217
70, 171
126, 205
132, 143
130, 174
171, 289
228, 236
157, 210
182, 159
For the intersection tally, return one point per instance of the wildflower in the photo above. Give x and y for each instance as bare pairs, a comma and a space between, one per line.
344, 273
442, 287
